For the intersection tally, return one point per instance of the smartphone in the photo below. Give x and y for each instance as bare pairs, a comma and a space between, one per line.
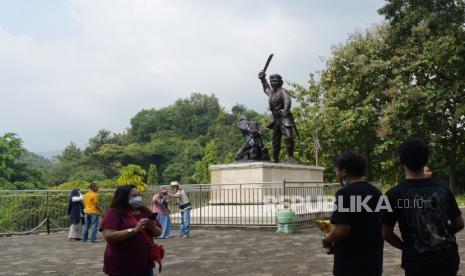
153, 216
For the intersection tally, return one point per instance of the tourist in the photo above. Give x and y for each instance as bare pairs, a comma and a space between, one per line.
92, 213
129, 228
76, 215
428, 217
427, 171
160, 207
185, 207
356, 236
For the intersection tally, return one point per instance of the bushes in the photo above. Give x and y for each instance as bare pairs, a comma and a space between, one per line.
84, 185
23, 211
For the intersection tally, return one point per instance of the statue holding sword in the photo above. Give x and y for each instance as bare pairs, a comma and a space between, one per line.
280, 106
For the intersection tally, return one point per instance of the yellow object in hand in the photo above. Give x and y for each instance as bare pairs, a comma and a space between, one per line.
324, 225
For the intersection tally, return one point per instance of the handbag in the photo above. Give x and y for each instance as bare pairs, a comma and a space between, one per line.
157, 252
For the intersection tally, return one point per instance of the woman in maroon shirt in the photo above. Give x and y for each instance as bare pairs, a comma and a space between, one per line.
128, 250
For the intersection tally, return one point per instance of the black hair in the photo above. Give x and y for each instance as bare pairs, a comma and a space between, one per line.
352, 162
92, 185
120, 199
414, 154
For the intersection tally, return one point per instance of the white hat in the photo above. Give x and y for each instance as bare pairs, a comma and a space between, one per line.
174, 183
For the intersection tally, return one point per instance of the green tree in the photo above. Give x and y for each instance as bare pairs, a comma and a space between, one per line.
69, 163
426, 41
152, 176
71, 153
10, 151
342, 110
133, 174
188, 118
308, 115
14, 172
103, 137
173, 172
202, 172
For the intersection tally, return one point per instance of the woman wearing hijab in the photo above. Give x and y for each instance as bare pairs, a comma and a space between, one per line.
75, 212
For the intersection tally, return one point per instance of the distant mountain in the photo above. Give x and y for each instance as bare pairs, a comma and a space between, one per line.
50, 155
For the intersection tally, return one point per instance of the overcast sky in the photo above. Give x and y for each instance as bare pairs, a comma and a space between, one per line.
71, 67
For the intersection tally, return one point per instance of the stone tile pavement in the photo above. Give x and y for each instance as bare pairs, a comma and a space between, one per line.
209, 251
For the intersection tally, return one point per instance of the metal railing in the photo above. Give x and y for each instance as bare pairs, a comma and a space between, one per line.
248, 204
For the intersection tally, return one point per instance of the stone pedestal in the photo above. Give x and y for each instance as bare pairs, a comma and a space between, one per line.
252, 183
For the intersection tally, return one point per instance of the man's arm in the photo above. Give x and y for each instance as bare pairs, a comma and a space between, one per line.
457, 224
391, 237
454, 214
266, 85
339, 232
97, 204
173, 194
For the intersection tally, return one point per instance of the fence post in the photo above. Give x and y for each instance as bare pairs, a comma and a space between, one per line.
201, 204
284, 188
47, 215
240, 204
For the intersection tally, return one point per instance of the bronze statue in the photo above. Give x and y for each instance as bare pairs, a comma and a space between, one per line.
280, 106
253, 148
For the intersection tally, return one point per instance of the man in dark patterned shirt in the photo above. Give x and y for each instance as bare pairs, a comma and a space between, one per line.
428, 217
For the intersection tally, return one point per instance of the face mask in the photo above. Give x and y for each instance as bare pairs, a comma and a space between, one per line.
135, 202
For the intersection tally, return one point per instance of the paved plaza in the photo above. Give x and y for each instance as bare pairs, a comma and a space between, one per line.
210, 251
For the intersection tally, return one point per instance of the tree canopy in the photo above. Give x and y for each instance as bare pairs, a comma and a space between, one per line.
401, 79
15, 161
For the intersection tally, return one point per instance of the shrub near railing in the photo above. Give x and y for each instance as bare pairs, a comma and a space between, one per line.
22, 211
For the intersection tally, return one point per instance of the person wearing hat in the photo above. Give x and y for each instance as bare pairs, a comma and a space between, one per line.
184, 205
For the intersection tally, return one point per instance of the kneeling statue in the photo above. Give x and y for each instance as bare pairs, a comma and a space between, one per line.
253, 148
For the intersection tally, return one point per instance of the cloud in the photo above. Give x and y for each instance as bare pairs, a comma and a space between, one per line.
121, 56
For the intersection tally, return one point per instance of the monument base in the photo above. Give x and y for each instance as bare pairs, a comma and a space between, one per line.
262, 172
254, 182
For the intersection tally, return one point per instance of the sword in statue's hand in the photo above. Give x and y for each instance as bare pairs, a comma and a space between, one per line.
267, 62
262, 74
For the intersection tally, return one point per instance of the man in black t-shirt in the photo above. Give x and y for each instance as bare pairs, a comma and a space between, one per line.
428, 218
356, 236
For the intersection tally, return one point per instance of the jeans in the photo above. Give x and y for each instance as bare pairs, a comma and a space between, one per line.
185, 222
90, 220
165, 222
